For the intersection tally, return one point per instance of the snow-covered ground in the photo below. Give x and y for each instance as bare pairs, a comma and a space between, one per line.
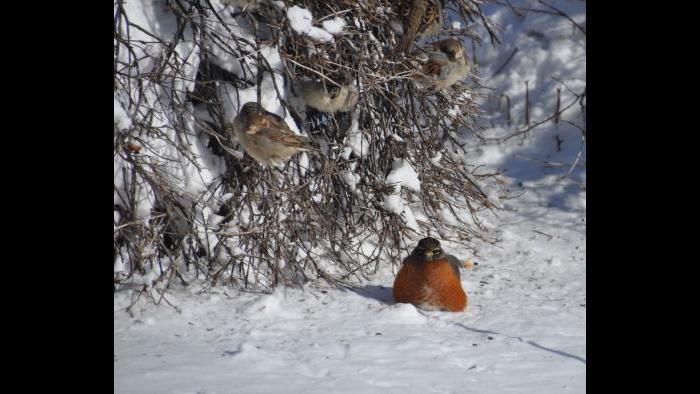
524, 330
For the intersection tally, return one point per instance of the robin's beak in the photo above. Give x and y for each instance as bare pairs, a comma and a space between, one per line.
429, 254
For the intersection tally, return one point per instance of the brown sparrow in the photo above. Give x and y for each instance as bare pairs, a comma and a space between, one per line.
244, 5
446, 65
266, 136
329, 98
420, 17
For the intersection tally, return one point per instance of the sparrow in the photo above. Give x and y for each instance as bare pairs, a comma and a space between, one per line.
244, 5
447, 64
420, 17
326, 97
266, 136
430, 279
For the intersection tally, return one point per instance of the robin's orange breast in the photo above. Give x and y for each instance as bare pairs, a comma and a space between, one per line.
432, 283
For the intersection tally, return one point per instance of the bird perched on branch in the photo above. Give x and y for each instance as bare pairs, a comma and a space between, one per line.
266, 136
430, 279
419, 17
326, 97
446, 65
244, 5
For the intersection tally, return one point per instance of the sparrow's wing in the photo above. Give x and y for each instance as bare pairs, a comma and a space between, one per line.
266, 122
275, 129
438, 58
432, 69
290, 140
412, 23
435, 63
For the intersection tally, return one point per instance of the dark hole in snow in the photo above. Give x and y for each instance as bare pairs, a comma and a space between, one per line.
377, 333
474, 344
490, 338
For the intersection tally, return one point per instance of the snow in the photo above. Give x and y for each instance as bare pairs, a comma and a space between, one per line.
393, 203
319, 34
300, 19
351, 179
524, 329
404, 175
119, 264
401, 175
335, 25
356, 140
121, 119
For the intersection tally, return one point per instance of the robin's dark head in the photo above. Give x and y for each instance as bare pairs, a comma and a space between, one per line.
428, 248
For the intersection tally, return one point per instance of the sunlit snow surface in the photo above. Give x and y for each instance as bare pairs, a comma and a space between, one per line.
524, 328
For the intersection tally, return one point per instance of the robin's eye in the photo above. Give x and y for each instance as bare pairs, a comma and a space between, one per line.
437, 251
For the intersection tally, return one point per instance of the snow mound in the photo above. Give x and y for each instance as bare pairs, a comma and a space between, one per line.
265, 306
403, 313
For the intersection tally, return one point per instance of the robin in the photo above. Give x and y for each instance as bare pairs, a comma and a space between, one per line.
266, 136
430, 279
